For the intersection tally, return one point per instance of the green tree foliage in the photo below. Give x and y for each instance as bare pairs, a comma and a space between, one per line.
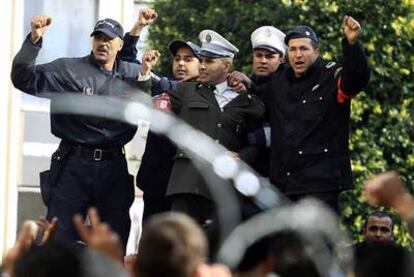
381, 131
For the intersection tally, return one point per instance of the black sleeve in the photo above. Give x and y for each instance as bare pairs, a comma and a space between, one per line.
129, 50
355, 72
31, 78
263, 91
254, 120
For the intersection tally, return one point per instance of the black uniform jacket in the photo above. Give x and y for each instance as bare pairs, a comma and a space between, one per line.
309, 118
197, 105
82, 76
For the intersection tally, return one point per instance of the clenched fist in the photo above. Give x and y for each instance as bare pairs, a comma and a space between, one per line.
146, 16
149, 60
352, 28
39, 25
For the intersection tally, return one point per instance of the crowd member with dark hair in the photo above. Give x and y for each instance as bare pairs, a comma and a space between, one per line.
378, 226
38, 255
50, 260
387, 190
89, 167
283, 253
383, 259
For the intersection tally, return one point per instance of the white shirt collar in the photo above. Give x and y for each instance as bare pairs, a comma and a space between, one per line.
222, 87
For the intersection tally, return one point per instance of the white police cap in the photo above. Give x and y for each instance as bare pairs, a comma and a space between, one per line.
214, 45
269, 38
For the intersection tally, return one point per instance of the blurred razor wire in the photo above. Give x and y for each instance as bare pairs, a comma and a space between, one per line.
217, 167
324, 243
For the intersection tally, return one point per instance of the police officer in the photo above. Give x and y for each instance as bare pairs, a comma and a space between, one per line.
158, 158
309, 110
212, 107
268, 55
89, 167
308, 105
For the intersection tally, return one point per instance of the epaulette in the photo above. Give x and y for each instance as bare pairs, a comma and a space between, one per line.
330, 64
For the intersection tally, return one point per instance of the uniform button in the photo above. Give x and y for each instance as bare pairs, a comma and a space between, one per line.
222, 109
58, 158
249, 96
219, 125
300, 152
304, 101
217, 140
325, 150
321, 98
180, 155
287, 173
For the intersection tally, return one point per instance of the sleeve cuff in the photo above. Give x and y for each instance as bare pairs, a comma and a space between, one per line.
143, 78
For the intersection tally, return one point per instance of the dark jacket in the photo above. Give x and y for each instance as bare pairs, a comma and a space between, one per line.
80, 76
309, 118
196, 104
155, 169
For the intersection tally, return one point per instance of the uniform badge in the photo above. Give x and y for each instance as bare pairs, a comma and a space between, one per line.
208, 38
162, 102
268, 32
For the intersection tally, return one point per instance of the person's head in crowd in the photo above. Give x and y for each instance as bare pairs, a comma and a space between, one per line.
256, 260
378, 226
52, 259
173, 245
303, 49
185, 60
282, 253
268, 50
382, 259
107, 42
216, 58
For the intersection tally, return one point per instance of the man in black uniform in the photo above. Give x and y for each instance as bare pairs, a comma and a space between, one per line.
212, 107
89, 167
308, 105
309, 110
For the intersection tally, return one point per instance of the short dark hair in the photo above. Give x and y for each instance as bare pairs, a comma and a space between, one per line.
380, 214
172, 244
53, 259
382, 259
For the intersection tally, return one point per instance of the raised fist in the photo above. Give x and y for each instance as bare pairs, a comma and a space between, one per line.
146, 17
39, 25
352, 28
149, 60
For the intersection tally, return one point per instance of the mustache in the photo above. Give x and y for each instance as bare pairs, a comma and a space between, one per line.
103, 47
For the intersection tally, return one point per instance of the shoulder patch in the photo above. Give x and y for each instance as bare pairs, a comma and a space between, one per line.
162, 102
